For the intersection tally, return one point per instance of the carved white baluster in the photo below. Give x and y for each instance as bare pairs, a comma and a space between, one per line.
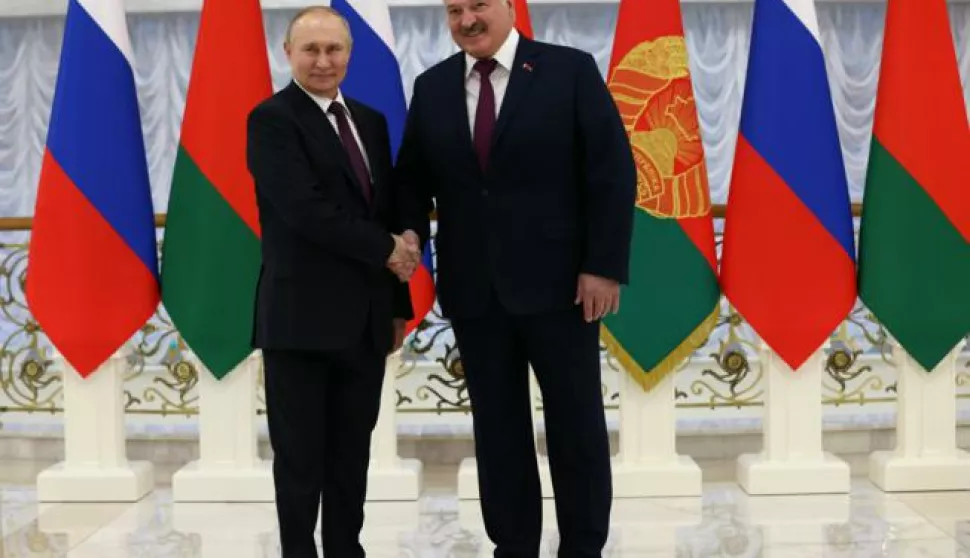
926, 456
648, 464
229, 468
389, 477
792, 460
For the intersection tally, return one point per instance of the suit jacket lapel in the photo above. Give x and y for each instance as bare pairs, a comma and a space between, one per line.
321, 129
520, 79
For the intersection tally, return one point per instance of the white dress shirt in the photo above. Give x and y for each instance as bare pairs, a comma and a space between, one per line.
324, 104
499, 78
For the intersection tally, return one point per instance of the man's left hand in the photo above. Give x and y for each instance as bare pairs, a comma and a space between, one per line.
399, 325
598, 296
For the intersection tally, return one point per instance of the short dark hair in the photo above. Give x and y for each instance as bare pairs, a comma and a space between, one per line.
317, 9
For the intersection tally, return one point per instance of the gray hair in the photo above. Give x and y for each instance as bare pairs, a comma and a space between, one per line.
506, 2
324, 10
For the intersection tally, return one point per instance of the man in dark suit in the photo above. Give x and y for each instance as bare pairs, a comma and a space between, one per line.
519, 146
332, 299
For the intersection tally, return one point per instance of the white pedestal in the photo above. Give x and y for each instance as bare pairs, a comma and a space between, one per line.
468, 479
468, 470
926, 456
229, 468
648, 464
792, 461
390, 478
95, 466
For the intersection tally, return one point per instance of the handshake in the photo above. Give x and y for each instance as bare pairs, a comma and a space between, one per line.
406, 256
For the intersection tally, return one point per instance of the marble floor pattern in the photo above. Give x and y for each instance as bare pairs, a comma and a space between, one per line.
725, 522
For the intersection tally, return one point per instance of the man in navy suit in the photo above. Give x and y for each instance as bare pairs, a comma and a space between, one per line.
519, 147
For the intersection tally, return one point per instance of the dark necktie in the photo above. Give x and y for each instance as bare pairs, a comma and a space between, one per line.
485, 113
350, 145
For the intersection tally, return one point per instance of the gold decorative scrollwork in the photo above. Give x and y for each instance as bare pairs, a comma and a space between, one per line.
27, 382
438, 385
871, 330
963, 380
163, 383
733, 385
154, 340
842, 367
176, 394
422, 339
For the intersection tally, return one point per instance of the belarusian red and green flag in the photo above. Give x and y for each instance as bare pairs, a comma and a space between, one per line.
523, 21
211, 250
671, 304
914, 249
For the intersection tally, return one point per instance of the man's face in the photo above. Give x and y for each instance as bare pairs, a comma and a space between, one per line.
319, 50
479, 27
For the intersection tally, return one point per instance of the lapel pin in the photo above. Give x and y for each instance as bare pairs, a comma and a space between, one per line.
527, 66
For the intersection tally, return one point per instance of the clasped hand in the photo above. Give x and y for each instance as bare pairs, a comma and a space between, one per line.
406, 256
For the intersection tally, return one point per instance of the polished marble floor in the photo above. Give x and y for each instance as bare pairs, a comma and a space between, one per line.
723, 523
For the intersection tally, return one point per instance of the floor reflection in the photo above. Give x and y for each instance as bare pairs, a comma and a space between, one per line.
723, 523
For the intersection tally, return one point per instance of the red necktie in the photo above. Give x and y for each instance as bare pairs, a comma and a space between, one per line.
350, 145
485, 114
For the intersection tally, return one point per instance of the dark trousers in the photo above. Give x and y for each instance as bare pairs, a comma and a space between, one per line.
496, 350
321, 409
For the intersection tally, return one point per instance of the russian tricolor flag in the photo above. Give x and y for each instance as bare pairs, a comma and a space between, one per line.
374, 78
92, 277
788, 262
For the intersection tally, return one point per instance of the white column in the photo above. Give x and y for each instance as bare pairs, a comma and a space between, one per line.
648, 464
389, 477
228, 468
792, 460
926, 456
468, 470
95, 466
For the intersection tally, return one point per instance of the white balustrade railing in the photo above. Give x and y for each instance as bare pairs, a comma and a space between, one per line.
792, 461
